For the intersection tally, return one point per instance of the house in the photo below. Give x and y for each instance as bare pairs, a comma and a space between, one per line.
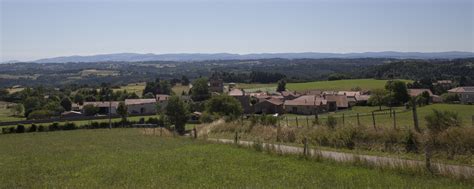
162, 100
417, 92
466, 94
244, 99
270, 106
216, 84
141, 106
289, 95
362, 99
104, 106
336, 102
306, 104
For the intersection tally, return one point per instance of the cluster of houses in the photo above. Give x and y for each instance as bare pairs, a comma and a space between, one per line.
305, 103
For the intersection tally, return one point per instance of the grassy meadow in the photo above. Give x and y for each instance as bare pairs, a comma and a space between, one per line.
136, 88
126, 158
404, 118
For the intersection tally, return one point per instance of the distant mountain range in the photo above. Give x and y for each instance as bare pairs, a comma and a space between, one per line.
135, 57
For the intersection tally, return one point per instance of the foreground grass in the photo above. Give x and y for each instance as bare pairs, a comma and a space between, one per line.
126, 158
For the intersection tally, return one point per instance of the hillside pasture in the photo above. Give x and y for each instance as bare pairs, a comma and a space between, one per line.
126, 158
338, 85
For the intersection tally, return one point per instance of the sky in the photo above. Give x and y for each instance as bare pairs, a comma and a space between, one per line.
34, 29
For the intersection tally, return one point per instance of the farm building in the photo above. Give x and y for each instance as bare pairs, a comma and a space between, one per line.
466, 94
270, 106
141, 106
336, 102
417, 92
289, 95
104, 106
307, 104
244, 99
216, 84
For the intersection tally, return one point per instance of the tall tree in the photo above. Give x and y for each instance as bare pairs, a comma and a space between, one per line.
122, 111
378, 97
200, 90
281, 85
177, 113
66, 103
184, 80
224, 105
398, 92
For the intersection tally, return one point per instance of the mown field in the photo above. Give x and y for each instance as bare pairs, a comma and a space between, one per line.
404, 118
138, 88
125, 158
337, 85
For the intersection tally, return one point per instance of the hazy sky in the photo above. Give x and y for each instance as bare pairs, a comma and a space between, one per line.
33, 29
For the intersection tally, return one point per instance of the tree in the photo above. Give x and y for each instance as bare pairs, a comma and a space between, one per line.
31, 104
79, 99
281, 85
224, 105
3, 93
426, 97
66, 103
184, 80
90, 110
398, 91
177, 113
17, 109
378, 97
54, 107
200, 90
122, 111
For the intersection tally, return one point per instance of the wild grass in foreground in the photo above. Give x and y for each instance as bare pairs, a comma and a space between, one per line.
126, 158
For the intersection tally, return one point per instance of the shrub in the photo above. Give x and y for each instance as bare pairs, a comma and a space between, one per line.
40, 114
142, 120
69, 126
206, 117
411, 142
41, 128
53, 127
33, 128
20, 129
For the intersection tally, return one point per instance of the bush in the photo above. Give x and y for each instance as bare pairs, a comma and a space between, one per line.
69, 126
40, 114
41, 128
33, 128
206, 117
53, 127
20, 129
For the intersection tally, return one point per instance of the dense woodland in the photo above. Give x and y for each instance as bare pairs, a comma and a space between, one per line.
254, 71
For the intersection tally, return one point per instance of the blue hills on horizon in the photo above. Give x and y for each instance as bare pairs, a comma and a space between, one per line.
137, 57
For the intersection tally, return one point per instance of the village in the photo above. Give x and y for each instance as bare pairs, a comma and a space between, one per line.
276, 103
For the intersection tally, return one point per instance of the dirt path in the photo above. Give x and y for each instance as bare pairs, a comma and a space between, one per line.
457, 171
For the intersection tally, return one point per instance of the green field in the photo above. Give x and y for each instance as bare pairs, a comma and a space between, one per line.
337, 85
365, 84
178, 89
125, 158
136, 88
404, 118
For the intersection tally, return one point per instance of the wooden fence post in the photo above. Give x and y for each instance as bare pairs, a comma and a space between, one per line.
305, 148
373, 121
343, 120
287, 124
236, 138
415, 116
296, 121
316, 118
195, 132
394, 120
